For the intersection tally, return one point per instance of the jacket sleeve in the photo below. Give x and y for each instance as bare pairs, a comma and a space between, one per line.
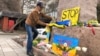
37, 20
46, 16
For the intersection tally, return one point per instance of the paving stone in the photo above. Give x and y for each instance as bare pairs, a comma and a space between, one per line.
1, 52
11, 53
7, 49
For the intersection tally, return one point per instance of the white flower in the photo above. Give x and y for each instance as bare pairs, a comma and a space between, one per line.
84, 49
49, 45
78, 48
46, 50
65, 44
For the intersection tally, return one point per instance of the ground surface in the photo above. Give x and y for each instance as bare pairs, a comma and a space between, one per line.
8, 47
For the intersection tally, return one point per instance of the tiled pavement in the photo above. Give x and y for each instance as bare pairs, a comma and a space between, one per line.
8, 47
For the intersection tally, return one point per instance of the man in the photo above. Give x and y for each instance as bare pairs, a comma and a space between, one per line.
32, 20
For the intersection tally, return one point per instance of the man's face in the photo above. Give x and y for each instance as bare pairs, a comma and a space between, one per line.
40, 8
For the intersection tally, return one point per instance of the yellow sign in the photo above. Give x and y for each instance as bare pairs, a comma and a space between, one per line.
71, 14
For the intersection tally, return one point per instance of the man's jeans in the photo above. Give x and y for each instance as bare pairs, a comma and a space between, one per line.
32, 34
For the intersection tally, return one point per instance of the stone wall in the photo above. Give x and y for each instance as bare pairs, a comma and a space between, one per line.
88, 8
86, 38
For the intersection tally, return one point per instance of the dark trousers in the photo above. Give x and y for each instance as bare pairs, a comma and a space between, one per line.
32, 34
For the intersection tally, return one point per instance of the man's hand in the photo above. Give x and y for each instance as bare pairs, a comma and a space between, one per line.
47, 25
